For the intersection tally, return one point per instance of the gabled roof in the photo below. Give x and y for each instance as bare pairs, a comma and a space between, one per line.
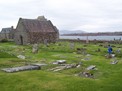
38, 25
6, 30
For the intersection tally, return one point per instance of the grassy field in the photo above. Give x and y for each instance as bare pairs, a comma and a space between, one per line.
107, 77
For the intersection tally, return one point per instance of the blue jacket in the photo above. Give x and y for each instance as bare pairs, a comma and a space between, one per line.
109, 50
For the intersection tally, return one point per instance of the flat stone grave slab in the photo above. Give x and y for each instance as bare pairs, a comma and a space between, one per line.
22, 68
21, 56
91, 67
112, 55
114, 62
63, 67
38, 64
59, 62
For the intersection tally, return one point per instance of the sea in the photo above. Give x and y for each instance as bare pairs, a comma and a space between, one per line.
108, 38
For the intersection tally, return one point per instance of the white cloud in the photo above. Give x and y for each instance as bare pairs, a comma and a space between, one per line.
87, 15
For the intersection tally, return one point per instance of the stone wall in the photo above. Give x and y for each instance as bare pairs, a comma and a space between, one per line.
41, 37
4, 36
20, 36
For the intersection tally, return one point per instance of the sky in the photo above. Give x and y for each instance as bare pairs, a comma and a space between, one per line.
86, 15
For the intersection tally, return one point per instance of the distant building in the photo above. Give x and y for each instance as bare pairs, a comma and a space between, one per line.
7, 33
35, 31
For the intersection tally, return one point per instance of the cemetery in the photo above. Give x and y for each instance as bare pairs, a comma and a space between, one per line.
60, 66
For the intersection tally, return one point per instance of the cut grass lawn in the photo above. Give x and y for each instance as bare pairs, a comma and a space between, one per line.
107, 77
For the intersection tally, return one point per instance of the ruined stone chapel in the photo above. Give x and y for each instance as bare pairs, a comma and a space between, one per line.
35, 31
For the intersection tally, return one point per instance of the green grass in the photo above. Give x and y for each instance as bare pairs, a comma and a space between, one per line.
107, 77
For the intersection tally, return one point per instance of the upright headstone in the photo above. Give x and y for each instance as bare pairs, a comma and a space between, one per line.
72, 45
87, 40
118, 50
79, 51
78, 39
95, 41
105, 44
83, 51
98, 50
35, 48
46, 42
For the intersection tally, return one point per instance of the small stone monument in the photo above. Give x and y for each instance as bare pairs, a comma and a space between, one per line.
98, 50
21, 56
91, 67
95, 41
72, 45
114, 62
60, 62
78, 50
87, 74
35, 48
83, 51
105, 44
87, 40
46, 42
118, 50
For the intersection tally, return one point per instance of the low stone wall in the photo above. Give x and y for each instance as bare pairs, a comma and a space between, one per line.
92, 41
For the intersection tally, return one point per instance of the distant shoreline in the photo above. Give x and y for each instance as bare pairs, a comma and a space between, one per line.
94, 34
88, 35
102, 38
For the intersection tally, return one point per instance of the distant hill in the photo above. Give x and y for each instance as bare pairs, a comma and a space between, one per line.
71, 32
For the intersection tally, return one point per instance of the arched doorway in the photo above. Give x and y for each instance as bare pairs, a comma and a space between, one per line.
21, 39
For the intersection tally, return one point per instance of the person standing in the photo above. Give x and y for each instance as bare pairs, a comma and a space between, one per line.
110, 50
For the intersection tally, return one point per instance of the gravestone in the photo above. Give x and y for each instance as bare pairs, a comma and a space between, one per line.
38, 64
21, 56
78, 66
88, 55
87, 40
100, 45
108, 56
22, 68
72, 45
46, 42
87, 74
91, 67
114, 62
60, 62
95, 41
98, 50
112, 55
106, 45
83, 51
78, 50
118, 50
86, 59
35, 48
63, 67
